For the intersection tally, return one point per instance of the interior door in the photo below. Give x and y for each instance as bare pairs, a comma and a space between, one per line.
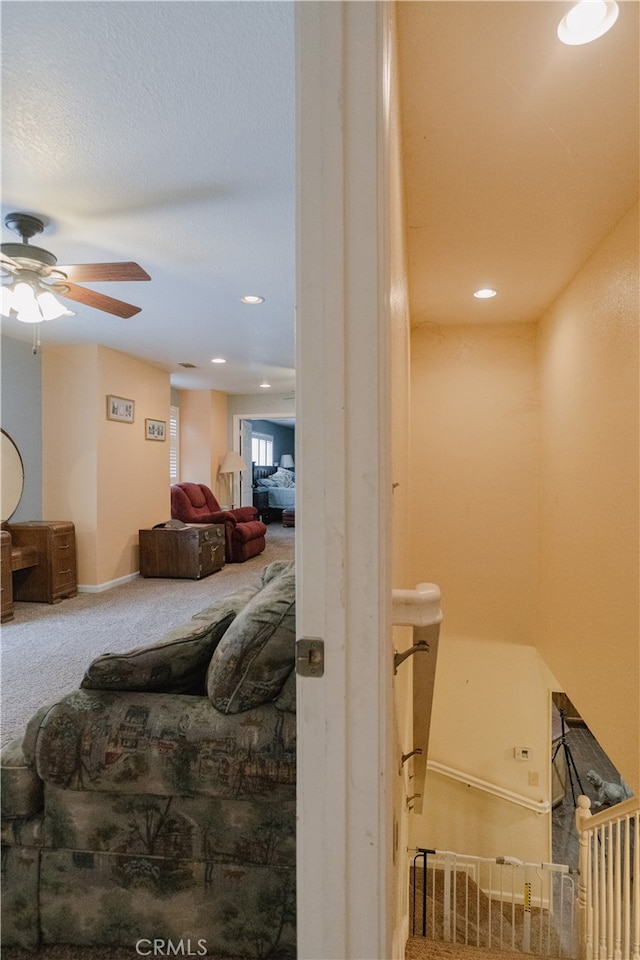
246, 477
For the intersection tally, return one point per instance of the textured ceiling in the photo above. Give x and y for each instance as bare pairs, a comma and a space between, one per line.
163, 132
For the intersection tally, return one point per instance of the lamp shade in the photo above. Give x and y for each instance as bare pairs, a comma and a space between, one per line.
232, 463
286, 461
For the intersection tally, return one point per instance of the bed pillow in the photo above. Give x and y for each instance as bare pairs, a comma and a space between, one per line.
175, 664
257, 652
282, 478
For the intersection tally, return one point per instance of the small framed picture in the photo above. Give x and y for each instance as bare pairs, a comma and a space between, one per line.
155, 429
120, 409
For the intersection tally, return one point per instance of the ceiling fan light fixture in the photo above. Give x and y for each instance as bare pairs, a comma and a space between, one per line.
586, 21
485, 293
22, 299
52, 308
38, 267
6, 301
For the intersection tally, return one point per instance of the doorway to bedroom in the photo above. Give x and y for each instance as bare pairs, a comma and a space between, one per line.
267, 443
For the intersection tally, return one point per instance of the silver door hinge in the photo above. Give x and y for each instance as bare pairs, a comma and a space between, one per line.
310, 657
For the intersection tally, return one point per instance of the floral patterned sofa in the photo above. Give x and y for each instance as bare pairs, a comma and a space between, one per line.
158, 800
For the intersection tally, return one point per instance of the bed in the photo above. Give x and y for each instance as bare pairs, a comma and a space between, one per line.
274, 490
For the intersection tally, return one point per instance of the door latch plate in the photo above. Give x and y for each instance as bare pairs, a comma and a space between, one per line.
310, 657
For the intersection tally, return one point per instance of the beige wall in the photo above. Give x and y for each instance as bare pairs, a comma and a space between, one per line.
203, 439
70, 447
524, 507
102, 474
473, 509
490, 698
474, 475
589, 607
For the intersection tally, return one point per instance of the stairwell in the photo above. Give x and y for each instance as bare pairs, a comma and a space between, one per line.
457, 918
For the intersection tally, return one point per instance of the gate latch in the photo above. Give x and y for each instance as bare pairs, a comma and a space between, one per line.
310, 657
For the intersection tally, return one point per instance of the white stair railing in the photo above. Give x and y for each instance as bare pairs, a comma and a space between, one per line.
494, 903
609, 885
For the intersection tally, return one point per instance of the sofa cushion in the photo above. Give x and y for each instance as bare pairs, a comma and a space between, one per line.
236, 602
287, 699
175, 664
20, 785
257, 652
275, 569
163, 744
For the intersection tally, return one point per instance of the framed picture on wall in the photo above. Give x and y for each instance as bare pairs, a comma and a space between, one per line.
120, 409
155, 429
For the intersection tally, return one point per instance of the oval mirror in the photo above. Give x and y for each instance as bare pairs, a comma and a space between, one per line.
12, 477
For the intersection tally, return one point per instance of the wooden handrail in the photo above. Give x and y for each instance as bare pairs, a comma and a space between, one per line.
538, 806
618, 812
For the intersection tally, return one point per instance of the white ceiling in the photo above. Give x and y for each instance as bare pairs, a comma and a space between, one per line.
163, 132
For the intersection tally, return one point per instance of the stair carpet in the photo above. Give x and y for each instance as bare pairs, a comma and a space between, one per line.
504, 924
419, 948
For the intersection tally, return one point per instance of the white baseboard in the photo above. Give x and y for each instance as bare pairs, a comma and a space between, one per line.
101, 587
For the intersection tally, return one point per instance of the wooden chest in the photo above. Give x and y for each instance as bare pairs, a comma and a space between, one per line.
194, 552
54, 575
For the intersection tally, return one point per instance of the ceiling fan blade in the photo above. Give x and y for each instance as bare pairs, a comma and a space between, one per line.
97, 272
93, 299
8, 262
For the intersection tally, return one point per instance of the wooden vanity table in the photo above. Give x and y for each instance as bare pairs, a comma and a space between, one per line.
38, 556
38, 563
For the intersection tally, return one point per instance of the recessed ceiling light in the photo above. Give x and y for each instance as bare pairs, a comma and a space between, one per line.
265, 385
587, 20
218, 360
485, 294
250, 298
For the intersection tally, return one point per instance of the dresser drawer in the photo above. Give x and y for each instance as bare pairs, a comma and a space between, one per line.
54, 575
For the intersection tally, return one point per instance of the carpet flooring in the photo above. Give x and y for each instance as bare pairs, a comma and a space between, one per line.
420, 949
46, 647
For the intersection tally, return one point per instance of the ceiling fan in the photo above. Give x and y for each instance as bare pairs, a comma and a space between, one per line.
36, 276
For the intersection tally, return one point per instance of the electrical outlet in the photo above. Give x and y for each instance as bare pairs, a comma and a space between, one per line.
534, 778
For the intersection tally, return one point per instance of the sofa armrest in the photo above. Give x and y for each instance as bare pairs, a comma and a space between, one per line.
223, 516
244, 514
162, 744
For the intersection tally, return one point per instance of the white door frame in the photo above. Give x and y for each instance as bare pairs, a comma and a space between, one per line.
345, 818
237, 419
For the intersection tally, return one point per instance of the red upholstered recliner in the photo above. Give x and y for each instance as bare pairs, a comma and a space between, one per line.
244, 533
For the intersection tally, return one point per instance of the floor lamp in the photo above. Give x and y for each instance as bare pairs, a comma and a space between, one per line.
232, 463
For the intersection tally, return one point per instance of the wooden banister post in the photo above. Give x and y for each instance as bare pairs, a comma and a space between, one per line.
585, 917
